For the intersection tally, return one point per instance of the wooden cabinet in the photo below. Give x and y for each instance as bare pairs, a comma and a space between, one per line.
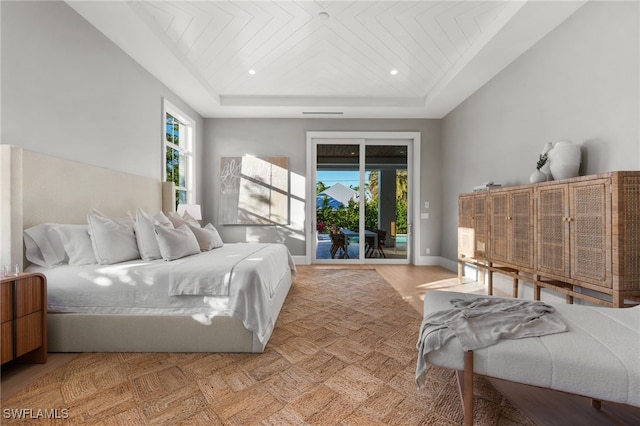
579, 236
24, 318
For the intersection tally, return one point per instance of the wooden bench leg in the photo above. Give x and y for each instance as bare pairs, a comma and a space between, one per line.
465, 385
468, 388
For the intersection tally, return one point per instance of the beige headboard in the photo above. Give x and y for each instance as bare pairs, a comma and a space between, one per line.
45, 189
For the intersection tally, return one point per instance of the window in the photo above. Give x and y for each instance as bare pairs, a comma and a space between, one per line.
178, 150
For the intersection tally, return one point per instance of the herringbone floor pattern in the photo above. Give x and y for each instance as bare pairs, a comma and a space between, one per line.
343, 352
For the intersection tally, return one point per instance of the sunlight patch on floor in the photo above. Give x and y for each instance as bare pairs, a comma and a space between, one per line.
451, 284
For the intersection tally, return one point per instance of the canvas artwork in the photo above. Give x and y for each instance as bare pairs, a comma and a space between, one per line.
254, 191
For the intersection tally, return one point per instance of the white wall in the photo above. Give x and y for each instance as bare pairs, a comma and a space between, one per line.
287, 137
579, 83
69, 91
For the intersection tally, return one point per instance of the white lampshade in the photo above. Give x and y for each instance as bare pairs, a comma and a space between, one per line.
193, 210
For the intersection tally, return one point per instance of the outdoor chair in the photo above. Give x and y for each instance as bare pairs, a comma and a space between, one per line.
339, 242
369, 245
382, 236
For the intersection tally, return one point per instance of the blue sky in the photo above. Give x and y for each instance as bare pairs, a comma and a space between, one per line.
347, 178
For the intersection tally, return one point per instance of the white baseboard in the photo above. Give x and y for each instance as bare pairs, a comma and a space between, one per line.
301, 260
451, 265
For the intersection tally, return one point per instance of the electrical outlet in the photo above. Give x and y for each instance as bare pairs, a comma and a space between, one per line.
428, 251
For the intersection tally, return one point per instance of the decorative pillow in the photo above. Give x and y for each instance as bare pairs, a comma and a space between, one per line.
190, 219
77, 243
176, 243
112, 242
162, 219
208, 237
186, 219
146, 236
43, 246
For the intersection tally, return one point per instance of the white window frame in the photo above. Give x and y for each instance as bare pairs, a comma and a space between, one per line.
188, 150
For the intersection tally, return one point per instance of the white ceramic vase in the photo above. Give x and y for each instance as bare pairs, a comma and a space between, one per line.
564, 160
537, 176
546, 169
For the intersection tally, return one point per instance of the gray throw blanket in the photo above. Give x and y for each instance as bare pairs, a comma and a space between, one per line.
482, 322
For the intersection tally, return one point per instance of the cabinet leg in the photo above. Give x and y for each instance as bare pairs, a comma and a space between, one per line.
536, 292
490, 283
515, 287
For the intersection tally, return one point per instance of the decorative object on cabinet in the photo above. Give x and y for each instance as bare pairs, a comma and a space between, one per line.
539, 176
24, 318
577, 236
545, 168
486, 186
564, 160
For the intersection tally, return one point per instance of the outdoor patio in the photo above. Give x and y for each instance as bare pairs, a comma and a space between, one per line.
323, 247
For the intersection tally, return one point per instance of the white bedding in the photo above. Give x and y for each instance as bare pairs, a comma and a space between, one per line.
243, 289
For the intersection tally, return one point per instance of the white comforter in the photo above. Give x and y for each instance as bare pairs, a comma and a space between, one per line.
235, 280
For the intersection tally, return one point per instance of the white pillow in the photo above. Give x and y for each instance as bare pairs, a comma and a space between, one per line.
190, 219
176, 243
146, 236
44, 246
112, 242
208, 237
162, 219
77, 243
186, 219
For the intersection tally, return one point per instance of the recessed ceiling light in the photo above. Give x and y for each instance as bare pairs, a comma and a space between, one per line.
394, 72
252, 71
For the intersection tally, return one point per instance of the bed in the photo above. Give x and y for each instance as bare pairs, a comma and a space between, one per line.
597, 357
240, 319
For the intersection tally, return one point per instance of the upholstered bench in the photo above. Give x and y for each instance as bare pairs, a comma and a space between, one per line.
598, 357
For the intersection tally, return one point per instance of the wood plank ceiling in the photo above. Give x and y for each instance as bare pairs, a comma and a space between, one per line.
312, 56
333, 49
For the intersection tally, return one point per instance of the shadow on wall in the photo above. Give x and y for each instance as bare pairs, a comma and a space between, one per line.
598, 147
294, 240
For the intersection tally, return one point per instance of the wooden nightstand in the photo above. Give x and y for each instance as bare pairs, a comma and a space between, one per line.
24, 318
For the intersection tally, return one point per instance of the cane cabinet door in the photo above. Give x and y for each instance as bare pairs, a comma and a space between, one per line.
472, 225
590, 231
553, 230
511, 240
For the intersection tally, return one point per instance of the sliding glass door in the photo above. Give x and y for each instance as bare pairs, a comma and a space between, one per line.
361, 212
387, 204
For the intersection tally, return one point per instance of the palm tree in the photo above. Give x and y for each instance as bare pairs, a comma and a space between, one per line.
320, 186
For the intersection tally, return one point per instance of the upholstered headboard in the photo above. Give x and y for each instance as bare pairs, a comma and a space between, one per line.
45, 189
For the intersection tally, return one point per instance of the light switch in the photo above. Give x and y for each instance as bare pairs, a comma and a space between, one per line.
426, 204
